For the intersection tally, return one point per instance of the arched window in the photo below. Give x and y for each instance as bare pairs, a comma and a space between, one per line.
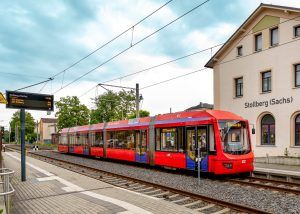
297, 130
268, 130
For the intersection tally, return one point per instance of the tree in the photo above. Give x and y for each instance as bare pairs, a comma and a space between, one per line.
143, 113
29, 126
112, 106
71, 112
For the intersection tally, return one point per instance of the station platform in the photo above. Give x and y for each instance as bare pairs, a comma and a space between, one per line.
288, 172
51, 189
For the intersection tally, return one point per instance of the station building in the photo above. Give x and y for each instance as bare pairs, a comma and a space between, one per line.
257, 75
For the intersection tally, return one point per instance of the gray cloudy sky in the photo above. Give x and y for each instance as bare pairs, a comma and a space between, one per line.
41, 38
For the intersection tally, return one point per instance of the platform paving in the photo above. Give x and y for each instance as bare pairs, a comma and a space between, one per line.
279, 169
51, 189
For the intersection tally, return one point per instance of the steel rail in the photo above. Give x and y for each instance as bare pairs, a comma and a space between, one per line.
250, 181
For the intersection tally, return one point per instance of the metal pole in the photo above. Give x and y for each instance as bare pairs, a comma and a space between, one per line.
9, 134
199, 160
23, 164
137, 100
1, 139
6, 189
16, 141
37, 131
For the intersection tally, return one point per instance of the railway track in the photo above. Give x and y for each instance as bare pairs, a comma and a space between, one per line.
271, 184
197, 203
276, 185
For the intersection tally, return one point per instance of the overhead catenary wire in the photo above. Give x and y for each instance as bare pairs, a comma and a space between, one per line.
133, 74
197, 52
23, 75
138, 42
199, 70
102, 46
113, 39
207, 68
173, 78
154, 66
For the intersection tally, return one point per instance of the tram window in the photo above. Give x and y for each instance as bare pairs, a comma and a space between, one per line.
168, 140
180, 137
157, 140
144, 141
83, 139
63, 139
212, 144
121, 140
73, 139
110, 139
99, 139
235, 135
96, 139
130, 139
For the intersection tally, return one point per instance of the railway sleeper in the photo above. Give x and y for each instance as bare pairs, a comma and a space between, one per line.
225, 210
152, 191
206, 207
192, 203
161, 194
180, 200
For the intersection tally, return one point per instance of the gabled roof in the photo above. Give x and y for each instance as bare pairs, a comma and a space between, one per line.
257, 11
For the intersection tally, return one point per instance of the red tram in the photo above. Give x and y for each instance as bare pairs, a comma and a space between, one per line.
169, 140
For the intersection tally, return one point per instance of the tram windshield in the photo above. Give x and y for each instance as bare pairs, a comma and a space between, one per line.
234, 136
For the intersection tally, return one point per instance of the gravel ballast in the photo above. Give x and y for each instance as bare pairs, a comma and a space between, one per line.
274, 202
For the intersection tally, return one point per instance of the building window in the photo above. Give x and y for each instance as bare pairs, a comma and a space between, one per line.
268, 130
297, 75
239, 50
297, 31
274, 36
297, 130
258, 42
266, 81
239, 87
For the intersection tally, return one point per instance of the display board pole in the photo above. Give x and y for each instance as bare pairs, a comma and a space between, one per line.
137, 100
23, 163
199, 161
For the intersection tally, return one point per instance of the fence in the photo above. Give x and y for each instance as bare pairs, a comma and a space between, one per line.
8, 189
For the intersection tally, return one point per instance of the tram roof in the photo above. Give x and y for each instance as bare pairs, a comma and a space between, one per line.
177, 117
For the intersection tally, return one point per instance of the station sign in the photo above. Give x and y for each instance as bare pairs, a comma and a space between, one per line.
30, 101
2, 99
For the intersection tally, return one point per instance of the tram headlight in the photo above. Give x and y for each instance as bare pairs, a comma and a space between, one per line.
227, 165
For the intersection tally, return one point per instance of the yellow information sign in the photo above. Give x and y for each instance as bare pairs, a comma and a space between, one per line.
2, 99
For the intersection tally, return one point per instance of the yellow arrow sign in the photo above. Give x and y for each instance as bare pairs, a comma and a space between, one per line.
2, 99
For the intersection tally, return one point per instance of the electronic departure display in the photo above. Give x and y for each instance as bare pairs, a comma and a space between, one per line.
29, 101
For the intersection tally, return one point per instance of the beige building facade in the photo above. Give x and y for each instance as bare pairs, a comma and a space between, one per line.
46, 127
257, 76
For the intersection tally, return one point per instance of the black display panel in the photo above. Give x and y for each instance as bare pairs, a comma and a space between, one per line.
31, 101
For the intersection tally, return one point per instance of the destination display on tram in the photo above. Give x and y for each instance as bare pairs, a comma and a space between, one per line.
31, 101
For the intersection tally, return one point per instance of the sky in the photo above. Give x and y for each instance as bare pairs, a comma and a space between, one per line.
39, 39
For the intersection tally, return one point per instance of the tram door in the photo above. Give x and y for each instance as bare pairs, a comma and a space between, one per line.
196, 137
141, 146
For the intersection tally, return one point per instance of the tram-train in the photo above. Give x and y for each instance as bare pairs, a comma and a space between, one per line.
169, 140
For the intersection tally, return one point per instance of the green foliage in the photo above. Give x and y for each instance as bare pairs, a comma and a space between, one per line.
143, 113
112, 106
29, 126
71, 112
6, 136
